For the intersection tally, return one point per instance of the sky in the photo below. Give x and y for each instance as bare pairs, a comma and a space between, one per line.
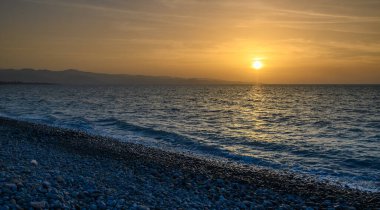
297, 41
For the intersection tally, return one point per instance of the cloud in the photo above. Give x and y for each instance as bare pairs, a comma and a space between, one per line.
221, 33
117, 7
339, 51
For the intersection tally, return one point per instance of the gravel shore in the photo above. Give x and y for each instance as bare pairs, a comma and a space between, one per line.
45, 168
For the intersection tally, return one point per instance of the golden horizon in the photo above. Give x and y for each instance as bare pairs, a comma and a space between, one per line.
302, 42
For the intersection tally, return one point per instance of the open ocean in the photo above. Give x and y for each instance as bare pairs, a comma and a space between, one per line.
330, 131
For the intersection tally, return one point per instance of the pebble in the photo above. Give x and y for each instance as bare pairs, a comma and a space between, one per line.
38, 204
34, 162
11, 186
117, 177
259, 207
101, 204
284, 207
46, 184
56, 204
139, 207
267, 203
59, 179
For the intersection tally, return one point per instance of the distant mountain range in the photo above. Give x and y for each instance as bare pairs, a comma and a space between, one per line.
76, 77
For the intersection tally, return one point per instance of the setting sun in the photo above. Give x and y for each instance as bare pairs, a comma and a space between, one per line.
257, 65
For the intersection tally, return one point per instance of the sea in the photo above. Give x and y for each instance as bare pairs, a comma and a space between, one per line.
331, 132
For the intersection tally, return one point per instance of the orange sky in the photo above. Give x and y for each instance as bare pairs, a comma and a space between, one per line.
324, 41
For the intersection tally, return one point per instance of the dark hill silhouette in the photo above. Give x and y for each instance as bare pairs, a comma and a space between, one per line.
76, 77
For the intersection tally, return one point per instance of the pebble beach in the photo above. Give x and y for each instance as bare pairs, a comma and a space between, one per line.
44, 167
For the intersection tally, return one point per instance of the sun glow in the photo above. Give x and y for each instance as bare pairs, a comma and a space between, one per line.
257, 64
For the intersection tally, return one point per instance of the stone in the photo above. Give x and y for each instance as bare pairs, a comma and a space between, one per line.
102, 205
56, 204
220, 181
60, 179
326, 203
4, 207
267, 203
18, 182
34, 162
46, 184
93, 206
38, 204
121, 202
284, 207
52, 195
221, 198
11, 186
139, 207
111, 203
242, 205
259, 207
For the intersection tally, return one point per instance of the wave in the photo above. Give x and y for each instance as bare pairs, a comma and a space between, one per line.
322, 124
373, 124
184, 142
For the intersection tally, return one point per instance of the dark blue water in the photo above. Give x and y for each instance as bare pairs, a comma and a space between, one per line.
332, 132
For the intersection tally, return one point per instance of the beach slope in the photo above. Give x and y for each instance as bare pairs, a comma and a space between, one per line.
47, 167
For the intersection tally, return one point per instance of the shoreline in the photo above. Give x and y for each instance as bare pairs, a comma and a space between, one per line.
163, 179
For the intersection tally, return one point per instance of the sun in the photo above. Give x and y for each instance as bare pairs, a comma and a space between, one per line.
257, 64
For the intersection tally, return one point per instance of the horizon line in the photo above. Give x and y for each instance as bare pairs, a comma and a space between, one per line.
177, 77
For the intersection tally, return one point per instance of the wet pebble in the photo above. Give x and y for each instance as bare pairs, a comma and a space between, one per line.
38, 204
34, 162
11, 186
